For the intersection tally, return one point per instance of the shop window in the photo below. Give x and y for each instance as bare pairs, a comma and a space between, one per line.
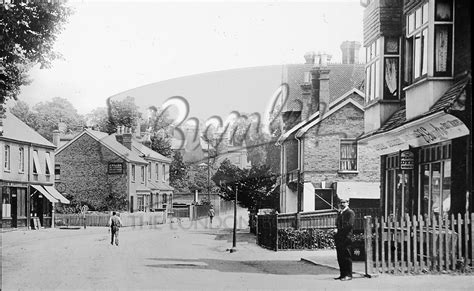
6, 158
435, 180
21, 202
21, 161
348, 155
133, 173
397, 188
6, 202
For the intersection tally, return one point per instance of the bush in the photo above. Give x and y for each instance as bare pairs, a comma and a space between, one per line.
306, 238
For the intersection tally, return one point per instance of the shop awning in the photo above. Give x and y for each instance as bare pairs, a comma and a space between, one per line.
143, 190
431, 129
56, 194
358, 190
45, 193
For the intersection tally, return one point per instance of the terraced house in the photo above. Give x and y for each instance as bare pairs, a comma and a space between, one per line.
113, 172
26, 176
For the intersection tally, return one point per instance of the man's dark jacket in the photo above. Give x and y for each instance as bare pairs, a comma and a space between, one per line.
344, 224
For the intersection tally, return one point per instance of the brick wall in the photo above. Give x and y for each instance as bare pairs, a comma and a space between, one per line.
84, 166
321, 149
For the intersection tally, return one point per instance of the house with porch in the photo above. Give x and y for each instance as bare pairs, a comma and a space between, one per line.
95, 165
27, 180
323, 115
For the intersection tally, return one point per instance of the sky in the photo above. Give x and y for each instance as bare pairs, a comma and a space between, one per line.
113, 46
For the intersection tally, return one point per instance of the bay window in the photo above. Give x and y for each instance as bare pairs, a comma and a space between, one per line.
429, 43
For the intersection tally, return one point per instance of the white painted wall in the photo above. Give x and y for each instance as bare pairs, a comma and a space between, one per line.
308, 197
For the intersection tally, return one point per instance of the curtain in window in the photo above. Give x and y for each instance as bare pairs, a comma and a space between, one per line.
391, 76
441, 48
348, 156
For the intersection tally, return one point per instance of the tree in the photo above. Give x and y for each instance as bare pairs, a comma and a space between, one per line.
161, 144
23, 112
255, 185
98, 119
51, 113
122, 113
178, 173
27, 34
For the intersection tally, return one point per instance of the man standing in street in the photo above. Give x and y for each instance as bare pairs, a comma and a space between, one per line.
343, 240
115, 223
211, 213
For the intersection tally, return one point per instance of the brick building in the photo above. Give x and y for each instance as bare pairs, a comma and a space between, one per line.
95, 165
418, 104
26, 176
321, 160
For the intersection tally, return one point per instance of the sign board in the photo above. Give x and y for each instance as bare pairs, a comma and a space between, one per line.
407, 160
115, 168
440, 127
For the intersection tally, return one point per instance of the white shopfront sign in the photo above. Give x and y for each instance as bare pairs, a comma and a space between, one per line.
430, 130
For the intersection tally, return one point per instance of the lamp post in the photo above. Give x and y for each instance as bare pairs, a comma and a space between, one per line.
234, 234
208, 173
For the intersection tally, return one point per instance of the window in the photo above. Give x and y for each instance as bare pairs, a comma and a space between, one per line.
397, 183
324, 199
142, 174
6, 158
420, 34
348, 161
48, 164
157, 171
164, 172
149, 171
141, 203
36, 164
391, 68
372, 71
21, 161
133, 173
435, 180
6, 206
57, 172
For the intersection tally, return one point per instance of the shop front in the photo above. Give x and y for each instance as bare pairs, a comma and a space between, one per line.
14, 205
424, 167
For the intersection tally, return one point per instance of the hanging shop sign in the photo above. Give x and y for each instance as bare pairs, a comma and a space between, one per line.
407, 160
430, 130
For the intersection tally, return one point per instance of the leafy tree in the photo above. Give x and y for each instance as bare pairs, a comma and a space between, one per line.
122, 113
255, 185
98, 119
178, 172
161, 144
27, 34
23, 112
59, 110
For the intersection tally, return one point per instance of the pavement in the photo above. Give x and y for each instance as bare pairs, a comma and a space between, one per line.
328, 258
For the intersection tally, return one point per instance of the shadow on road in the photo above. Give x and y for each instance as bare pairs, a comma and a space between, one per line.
278, 267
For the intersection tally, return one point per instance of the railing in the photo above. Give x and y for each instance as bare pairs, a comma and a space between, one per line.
128, 219
419, 244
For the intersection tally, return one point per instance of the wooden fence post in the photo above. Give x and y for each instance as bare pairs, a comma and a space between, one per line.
276, 231
368, 246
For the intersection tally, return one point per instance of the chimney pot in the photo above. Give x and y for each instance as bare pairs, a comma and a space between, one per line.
309, 57
56, 137
350, 52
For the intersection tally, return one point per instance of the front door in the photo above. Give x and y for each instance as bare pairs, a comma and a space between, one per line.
14, 208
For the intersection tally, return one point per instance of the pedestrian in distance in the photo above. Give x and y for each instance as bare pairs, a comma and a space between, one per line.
211, 213
345, 224
115, 223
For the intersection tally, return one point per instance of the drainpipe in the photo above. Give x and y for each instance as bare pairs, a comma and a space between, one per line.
300, 196
28, 198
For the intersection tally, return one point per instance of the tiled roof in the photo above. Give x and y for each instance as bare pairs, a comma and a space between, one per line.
444, 102
342, 78
111, 142
14, 128
140, 149
158, 186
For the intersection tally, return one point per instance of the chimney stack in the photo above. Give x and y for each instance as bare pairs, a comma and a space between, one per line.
309, 57
321, 85
56, 138
350, 52
127, 138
